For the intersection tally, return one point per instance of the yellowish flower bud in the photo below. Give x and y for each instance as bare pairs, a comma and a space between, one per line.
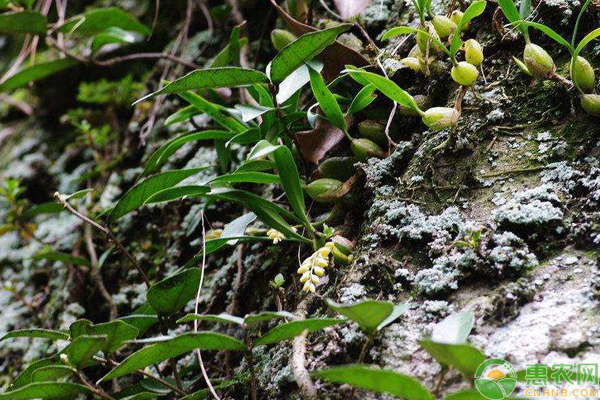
464, 73
319, 271
305, 277
303, 268
314, 279
473, 52
538, 61
438, 118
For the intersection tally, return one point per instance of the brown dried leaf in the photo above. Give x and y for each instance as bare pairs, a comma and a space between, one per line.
316, 143
335, 57
351, 8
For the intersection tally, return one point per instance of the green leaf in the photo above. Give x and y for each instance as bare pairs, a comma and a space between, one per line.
398, 311
213, 111
178, 192
173, 347
110, 36
173, 293
512, 15
117, 332
50, 207
35, 73
141, 321
97, 20
250, 112
454, 329
162, 154
230, 53
326, 100
65, 258
222, 318
256, 165
46, 390
82, 349
473, 394
182, 115
464, 357
137, 196
24, 378
23, 22
305, 48
211, 78
474, 10
36, 333
292, 329
368, 313
362, 100
588, 38
398, 31
51, 373
79, 328
376, 380
552, 34
389, 89
247, 177
253, 319
296, 80
290, 178
267, 211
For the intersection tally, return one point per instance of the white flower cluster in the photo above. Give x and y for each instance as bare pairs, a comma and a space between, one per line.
275, 235
314, 267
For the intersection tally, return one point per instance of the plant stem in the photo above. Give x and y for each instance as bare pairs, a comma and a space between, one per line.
307, 388
250, 361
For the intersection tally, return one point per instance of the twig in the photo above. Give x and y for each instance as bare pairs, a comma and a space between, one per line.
307, 388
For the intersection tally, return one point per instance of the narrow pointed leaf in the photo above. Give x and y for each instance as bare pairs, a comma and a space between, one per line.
376, 380
35, 73
247, 177
173, 347
327, 102
552, 34
65, 258
211, 78
23, 22
305, 48
474, 10
141, 192
253, 319
178, 192
362, 100
36, 333
51, 373
213, 111
588, 38
512, 14
46, 391
173, 293
296, 80
112, 35
98, 19
292, 329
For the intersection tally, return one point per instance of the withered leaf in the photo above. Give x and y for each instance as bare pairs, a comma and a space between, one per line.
316, 143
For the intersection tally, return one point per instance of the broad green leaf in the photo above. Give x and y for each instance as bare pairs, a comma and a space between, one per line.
50, 207
160, 351
267, 211
79, 328
256, 165
474, 10
230, 55
182, 115
23, 22
362, 100
588, 38
305, 48
51, 373
376, 380
24, 378
35, 73
552, 34
389, 88
117, 332
292, 329
296, 80
112, 35
398, 311
211, 78
525, 9
162, 154
464, 357
141, 321
97, 20
82, 349
247, 177
250, 136
46, 390
65, 258
213, 111
327, 102
512, 14
250, 112
368, 313
222, 318
173, 293
290, 178
454, 329
136, 196
178, 192
36, 333
253, 319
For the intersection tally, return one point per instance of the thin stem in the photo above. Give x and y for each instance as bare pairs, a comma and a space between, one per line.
250, 361
574, 37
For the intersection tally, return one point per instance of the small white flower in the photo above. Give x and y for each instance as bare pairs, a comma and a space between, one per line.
275, 235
